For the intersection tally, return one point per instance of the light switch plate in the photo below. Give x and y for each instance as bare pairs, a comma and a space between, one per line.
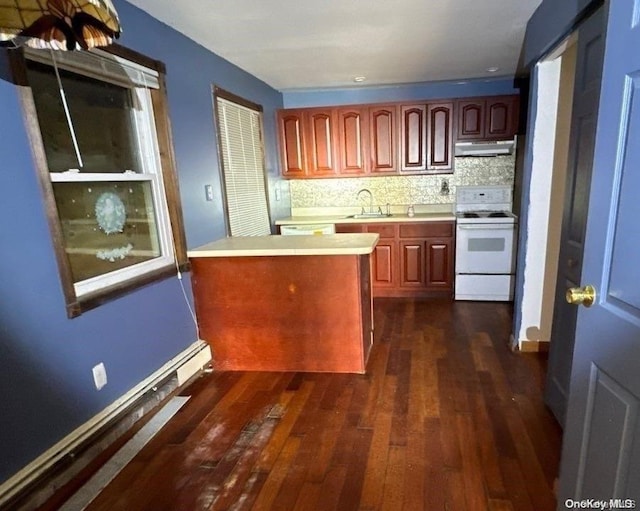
99, 376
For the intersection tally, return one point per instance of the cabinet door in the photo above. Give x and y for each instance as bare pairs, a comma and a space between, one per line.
471, 122
413, 137
439, 264
292, 142
383, 143
384, 261
491, 117
352, 133
440, 136
320, 137
412, 263
501, 117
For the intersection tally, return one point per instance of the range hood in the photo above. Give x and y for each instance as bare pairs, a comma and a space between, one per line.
492, 148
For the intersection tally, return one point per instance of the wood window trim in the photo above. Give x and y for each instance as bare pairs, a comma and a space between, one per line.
75, 305
230, 96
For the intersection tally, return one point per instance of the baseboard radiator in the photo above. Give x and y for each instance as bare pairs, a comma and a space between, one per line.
36, 482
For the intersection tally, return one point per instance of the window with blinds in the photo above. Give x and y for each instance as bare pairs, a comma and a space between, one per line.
97, 124
240, 138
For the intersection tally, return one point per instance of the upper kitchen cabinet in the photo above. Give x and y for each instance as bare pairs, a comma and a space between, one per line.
440, 118
426, 137
319, 135
292, 143
487, 118
383, 139
352, 140
389, 139
502, 117
470, 119
413, 137
307, 142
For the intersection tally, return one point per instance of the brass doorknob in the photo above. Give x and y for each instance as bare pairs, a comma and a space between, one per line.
581, 295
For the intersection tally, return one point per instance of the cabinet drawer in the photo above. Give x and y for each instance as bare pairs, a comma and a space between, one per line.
427, 230
349, 228
384, 230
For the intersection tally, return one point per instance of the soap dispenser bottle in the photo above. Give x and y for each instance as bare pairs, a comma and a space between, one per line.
411, 211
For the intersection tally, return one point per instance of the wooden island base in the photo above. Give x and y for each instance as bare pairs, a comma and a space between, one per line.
285, 313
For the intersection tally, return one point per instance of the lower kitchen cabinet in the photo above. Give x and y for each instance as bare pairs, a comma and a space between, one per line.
411, 259
384, 268
412, 264
426, 265
439, 264
383, 265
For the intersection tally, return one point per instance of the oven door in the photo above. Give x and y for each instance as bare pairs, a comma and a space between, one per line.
485, 248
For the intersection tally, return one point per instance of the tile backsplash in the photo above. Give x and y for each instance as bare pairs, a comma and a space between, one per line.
401, 190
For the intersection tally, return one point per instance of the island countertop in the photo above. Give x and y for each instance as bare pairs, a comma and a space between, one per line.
262, 246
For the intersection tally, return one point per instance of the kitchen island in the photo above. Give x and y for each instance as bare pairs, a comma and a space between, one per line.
286, 303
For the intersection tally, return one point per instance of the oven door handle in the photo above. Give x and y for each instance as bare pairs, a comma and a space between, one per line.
487, 227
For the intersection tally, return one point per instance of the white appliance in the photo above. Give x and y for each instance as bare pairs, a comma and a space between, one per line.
485, 243
301, 230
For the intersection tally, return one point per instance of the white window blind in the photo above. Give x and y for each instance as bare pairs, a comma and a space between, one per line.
243, 169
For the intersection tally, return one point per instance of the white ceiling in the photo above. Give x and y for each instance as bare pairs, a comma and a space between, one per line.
311, 44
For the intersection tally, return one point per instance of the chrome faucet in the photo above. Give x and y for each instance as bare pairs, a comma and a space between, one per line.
365, 190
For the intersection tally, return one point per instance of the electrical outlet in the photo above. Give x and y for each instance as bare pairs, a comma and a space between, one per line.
99, 376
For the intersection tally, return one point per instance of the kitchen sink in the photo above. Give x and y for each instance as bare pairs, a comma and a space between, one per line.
370, 215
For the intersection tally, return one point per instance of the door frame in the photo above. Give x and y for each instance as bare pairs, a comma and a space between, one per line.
550, 27
543, 220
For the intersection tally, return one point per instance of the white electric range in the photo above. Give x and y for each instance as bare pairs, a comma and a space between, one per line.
485, 243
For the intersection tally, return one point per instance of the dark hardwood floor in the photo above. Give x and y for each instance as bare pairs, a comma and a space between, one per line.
446, 418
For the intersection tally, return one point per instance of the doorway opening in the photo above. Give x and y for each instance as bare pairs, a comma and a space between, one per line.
566, 116
550, 138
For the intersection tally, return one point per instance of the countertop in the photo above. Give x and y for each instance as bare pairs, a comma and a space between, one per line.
342, 219
261, 246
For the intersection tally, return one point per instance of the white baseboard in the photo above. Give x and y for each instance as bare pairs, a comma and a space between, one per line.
194, 358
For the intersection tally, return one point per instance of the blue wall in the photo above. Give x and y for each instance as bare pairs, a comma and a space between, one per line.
408, 92
191, 72
46, 383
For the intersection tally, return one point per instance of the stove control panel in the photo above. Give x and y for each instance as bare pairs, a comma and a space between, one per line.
483, 195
